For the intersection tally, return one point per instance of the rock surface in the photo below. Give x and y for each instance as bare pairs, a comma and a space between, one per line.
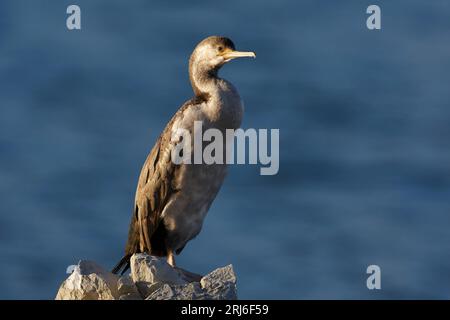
151, 278
220, 284
191, 291
149, 273
127, 289
89, 281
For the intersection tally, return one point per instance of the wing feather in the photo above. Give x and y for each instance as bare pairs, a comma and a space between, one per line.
154, 191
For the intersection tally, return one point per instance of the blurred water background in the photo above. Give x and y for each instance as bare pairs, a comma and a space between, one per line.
364, 118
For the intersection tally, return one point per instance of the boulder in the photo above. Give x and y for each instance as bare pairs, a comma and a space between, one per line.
149, 273
220, 284
151, 278
217, 285
190, 291
127, 289
89, 281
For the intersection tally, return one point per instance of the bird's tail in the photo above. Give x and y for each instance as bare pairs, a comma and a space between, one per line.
123, 264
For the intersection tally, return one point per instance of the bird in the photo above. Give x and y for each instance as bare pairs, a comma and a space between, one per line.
172, 200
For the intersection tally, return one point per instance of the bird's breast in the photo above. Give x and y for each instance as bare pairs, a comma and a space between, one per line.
198, 184
225, 107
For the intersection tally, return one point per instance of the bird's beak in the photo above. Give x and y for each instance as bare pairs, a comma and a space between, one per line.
238, 54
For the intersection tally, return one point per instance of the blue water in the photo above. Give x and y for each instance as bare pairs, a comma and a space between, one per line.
364, 126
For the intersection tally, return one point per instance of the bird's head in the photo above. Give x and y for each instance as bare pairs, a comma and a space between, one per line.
213, 52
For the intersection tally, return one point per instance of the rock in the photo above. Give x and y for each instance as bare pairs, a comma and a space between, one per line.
151, 278
127, 289
89, 281
149, 273
217, 285
166, 292
189, 276
220, 284
145, 289
151, 269
130, 296
190, 291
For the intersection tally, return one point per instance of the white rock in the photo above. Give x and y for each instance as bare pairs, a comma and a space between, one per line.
191, 291
151, 278
151, 269
220, 284
89, 281
217, 285
127, 289
149, 273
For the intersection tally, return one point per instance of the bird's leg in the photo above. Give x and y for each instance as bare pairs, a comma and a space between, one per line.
171, 258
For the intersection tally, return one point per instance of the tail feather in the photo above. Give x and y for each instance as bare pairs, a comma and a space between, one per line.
124, 264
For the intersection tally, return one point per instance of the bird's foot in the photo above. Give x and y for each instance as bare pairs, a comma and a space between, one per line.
171, 259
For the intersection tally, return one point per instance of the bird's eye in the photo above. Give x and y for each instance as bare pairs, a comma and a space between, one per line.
220, 48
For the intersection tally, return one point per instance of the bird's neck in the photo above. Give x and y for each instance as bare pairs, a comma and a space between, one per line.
209, 87
203, 81
222, 101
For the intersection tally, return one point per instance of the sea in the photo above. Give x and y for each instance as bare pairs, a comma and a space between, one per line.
364, 153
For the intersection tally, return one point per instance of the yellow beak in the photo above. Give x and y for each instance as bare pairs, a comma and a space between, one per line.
238, 54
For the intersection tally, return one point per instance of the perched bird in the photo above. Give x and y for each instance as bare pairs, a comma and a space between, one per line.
172, 199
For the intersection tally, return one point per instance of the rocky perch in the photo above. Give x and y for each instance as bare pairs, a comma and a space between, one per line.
151, 278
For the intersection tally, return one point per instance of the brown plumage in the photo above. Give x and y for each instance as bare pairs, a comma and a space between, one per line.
172, 200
